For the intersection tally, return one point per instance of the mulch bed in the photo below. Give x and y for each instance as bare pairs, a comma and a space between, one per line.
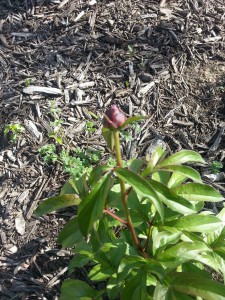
164, 59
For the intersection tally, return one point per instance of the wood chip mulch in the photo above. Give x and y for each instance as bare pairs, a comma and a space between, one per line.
164, 59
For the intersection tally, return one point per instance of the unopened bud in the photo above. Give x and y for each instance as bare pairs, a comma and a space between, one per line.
113, 117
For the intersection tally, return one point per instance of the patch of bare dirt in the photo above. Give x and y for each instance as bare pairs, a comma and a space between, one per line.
166, 61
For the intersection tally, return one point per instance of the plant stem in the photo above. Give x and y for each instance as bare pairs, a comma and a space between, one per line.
124, 195
106, 211
148, 237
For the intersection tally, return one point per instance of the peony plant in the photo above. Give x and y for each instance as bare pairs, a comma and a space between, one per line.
141, 229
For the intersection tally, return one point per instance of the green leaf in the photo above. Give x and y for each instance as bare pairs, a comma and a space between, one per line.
196, 268
155, 268
108, 136
175, 180
163, 238
198, 192
96, 174
101, 272
129, 263
208, 259
68, 188
196, 285
174, 202
181, 253
78, 290
80, 260
131, 120
113, 287
91, 207
181, 157
136, 287
115, 251
101, 233
81, 186
142, 187
196, 223
161, 176
162, 292
183, 170
70, 234
135, 165
156, 156
55, 203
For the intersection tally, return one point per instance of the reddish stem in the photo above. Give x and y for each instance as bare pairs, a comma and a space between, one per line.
106, 211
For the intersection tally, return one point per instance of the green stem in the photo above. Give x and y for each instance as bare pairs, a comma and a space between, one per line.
124, 195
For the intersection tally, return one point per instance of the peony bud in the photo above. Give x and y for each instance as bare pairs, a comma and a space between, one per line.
113, 117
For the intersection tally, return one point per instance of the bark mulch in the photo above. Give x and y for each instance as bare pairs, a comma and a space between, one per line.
164, 59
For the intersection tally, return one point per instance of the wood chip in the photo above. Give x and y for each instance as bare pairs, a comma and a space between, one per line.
20, 224
32, 89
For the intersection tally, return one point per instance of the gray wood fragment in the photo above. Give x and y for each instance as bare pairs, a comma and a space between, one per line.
32, 89
20, 224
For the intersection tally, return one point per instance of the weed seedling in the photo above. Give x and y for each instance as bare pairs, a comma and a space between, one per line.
216, 166
28, 82
48, 153
131, 51
90, 126
12, 131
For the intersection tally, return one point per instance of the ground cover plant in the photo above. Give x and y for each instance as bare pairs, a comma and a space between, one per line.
142, 228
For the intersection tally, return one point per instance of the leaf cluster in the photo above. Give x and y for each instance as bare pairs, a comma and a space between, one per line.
75, 164
178, 242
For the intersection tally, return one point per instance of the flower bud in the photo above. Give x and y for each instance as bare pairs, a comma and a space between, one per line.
113, 117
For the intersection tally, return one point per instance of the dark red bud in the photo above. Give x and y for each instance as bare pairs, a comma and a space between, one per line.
113, 117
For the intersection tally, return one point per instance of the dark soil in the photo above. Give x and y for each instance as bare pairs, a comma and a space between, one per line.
165, 61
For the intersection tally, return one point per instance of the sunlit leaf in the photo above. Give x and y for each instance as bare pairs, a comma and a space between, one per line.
198, 192
196, 223
100, 272
57, 202
183, 170
182, 252
161, 176
181, 157
175, 180
157, 154
163, 238
69, 188
131, 120
196, 285
176, 203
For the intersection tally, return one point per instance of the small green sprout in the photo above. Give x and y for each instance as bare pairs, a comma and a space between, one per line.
216, 166
90, 126
28, 82
131, 51
12, 131
127, 84
48, 153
